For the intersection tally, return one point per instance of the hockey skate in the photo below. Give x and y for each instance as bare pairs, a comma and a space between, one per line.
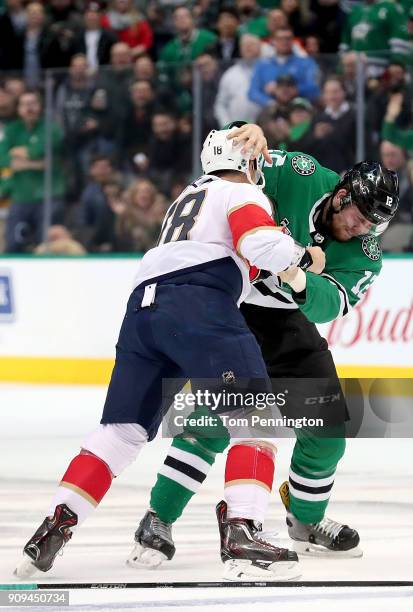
247, 555
327, 538
42, 549
153, 542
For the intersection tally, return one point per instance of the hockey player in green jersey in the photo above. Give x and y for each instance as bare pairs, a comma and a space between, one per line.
341, 215
377, 28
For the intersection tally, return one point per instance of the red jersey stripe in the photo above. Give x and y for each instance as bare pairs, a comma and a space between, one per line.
248, 218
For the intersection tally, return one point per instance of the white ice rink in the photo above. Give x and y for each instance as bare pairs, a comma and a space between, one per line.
41, 429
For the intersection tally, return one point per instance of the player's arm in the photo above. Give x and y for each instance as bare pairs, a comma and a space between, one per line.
257, 239
332, 294
274, 165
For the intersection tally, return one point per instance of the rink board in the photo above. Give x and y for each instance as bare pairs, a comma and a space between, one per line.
59, 320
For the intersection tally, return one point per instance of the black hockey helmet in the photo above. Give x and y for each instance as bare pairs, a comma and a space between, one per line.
373, 189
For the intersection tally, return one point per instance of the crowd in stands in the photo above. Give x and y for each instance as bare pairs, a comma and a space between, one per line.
119, 129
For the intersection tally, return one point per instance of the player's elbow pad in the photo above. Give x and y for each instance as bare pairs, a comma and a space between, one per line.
268, 249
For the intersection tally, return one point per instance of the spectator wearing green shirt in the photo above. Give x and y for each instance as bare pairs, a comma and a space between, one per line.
250, 11
377, 28
265, 26
189, 42
22, 150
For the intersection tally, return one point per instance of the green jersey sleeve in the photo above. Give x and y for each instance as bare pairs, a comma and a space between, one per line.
399, 38
343, 283
5, 144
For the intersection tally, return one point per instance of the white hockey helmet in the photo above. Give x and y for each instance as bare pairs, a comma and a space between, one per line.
219, 153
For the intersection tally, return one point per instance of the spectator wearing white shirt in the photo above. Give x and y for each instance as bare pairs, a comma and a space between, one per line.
93, 41
232, 100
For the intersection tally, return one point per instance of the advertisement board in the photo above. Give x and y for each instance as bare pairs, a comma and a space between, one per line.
59, 320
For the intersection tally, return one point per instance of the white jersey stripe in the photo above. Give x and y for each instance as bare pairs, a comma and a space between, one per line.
314, 497
182, 479
312, 482
189, 459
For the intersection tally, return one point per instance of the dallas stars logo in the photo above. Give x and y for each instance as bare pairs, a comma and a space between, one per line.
371, 247
303, 165
361, 30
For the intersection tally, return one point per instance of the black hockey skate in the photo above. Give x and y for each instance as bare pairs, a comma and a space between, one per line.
327, 538
42, 549
247, 555
153, 542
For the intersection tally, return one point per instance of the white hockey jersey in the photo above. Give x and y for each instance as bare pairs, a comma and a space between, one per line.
215, 218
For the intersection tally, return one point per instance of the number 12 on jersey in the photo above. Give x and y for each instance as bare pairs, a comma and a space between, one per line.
181, 217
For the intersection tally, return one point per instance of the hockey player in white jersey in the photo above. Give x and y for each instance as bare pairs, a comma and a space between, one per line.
182, 321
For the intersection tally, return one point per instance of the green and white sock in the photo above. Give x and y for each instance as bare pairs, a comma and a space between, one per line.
182, 473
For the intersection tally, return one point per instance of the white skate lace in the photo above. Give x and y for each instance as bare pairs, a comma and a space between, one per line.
161, 528
330, 528
267, 537
270, 537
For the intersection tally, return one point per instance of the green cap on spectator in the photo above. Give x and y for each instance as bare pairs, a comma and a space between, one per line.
301, 103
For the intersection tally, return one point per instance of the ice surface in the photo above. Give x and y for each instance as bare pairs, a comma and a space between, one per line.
42, 429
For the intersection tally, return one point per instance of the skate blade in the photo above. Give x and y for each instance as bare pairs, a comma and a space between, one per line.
145, 557
306, 549
240, 570
25, 569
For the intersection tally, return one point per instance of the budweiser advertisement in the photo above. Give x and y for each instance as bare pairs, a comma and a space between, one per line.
378, 331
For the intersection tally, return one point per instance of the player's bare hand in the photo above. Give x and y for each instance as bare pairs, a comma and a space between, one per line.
253, 139
319, 260
289, 274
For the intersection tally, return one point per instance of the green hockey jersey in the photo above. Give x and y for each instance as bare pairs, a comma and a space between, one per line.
298, 185
380, 30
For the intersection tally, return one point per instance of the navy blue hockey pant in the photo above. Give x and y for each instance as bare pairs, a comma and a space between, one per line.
193, 329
